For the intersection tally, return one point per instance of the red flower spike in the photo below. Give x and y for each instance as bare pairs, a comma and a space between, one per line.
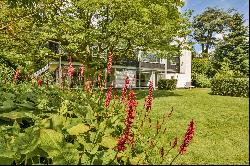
187, 138
108, 96
149, 98
70, 68
17, 74
39, 82
127, 136
110, 56
124, 90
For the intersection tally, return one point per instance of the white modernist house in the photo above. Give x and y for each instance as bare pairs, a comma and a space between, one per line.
150, 68
146, 67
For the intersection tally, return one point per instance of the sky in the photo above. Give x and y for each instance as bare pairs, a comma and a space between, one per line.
242, 6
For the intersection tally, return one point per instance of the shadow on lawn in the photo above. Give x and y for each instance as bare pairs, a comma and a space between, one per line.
141, 94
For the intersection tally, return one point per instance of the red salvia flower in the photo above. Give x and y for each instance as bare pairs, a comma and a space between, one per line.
110, 56
108, 96
187, 138
127, 136
17, 74
149, 98
70, 68
39, 82
124, 90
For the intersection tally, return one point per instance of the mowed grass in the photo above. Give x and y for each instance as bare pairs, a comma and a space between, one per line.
222, 125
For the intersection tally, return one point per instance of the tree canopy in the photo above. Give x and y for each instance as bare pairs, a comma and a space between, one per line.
79, 25
209, 23
234, 48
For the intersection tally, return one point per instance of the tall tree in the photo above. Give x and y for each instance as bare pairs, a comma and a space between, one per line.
207, 24
234, 48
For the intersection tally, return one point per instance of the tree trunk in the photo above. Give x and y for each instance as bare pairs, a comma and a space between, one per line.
202, 48
206, 49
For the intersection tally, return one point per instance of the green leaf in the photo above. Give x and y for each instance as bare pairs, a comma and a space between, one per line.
85, 160
8, 104
7, 157
108, 156
28, 141
92, 136
78, 129
16, 115
68, 156
51, 141
109, 142
27, 104
94, 149
58, 122
44, 123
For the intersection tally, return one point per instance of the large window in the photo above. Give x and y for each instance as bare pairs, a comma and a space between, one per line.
149, 57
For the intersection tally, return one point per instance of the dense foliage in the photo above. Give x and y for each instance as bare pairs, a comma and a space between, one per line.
230, 86
201, 70
200, 65
167, 84
207, 24
201, 80
225, 34
86, 30
234, 48
44, 124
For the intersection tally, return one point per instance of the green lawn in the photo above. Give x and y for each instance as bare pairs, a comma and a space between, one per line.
222, 124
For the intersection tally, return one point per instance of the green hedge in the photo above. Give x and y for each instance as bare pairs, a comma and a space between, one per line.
230, 86
201, 80
167, 84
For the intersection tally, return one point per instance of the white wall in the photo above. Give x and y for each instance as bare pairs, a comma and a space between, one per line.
120, 77
185, 70
181, 79
186, 64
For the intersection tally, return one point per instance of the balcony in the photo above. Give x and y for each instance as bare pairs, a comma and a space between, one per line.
152, 65
132, 63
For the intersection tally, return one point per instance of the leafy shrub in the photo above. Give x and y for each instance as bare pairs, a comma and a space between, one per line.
167, 84
54, 124
6, 73
201, 80
49, 125
230, 86
200, 65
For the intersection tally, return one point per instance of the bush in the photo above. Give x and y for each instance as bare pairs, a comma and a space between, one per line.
167, 84
43, 124
200, 65
230, 86
201, 80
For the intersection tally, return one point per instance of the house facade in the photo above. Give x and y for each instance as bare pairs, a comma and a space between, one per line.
139, 71
150, 68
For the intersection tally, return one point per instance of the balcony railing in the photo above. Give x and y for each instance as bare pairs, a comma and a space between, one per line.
152, 65
126, 63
